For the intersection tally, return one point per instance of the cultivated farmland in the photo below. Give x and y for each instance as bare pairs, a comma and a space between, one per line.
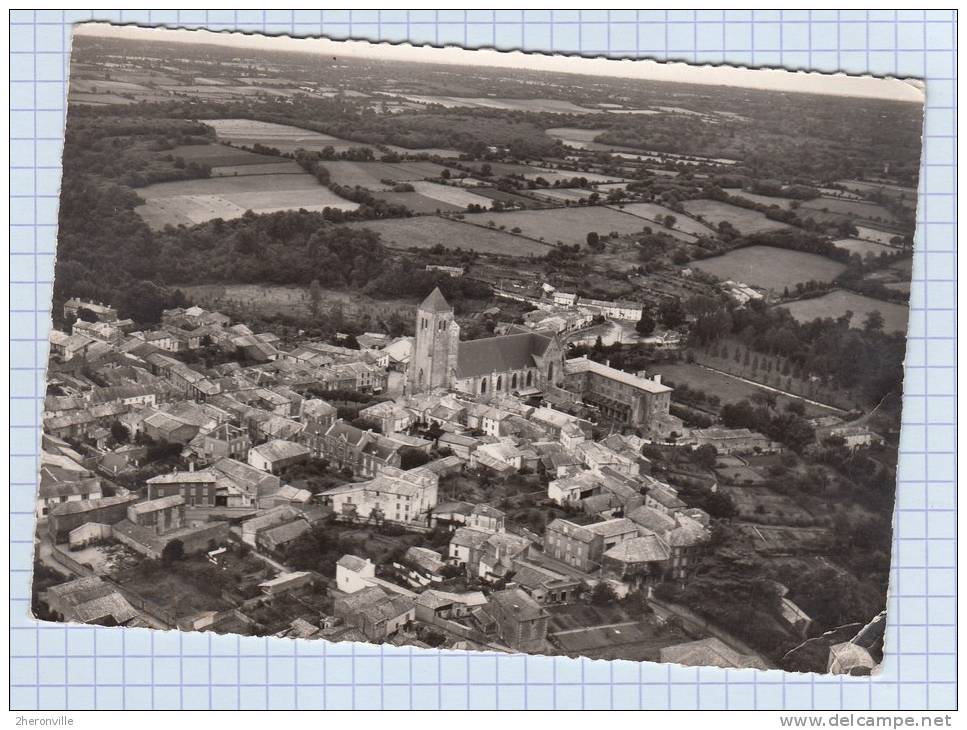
370, 175
655, 214
280, 136
743, 220
770, 268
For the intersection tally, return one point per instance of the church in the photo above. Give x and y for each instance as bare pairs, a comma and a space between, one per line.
521, 363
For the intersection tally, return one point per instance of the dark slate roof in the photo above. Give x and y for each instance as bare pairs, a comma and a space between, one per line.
500, 354
435, 302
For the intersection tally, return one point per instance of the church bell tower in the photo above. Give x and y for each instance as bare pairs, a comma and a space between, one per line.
434, 356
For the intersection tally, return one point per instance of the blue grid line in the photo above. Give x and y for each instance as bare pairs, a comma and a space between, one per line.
82, 667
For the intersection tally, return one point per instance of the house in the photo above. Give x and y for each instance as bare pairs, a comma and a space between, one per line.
466, 546
159, 515
498, 554
546, 586
582, 546
685, 536
432, 605
66, 517
731, 440
90, 600
353, 573
639, 561
226, 442
375, 612
274, 539
393, 495
317, 418
276, 456
487, 518
169, 428
855, 437
103, 312
389, 416
420, 567
268, 518
198, 488
362, 452
521, 621
51, 493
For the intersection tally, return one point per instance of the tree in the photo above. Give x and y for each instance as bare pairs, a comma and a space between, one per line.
602, 594
315, 297
173, 551
671, 313
874, 322
118, 432
411, 457
670, 221
594, 241
706, 456
646, 325
86, 315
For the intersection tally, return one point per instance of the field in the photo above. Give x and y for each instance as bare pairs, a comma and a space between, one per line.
190, 202
770, 268
574, 137
370, 175
874, 234
727, 388
221, 155
743, 220
550, 106
857, 209
563, 194
652, 211
280, 136
856, 245
766, 200
837, 303
567, 225
531, 172
430, 231
269, 168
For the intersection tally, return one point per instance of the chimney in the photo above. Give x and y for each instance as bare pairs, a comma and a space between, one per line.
191, 466
657, 378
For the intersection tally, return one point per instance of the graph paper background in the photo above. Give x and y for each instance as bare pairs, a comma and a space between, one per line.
57, 667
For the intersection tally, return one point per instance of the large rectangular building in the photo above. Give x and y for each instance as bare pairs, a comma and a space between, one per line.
619, 396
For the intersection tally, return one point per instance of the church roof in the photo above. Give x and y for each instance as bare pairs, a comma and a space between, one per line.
435, 302
500, 354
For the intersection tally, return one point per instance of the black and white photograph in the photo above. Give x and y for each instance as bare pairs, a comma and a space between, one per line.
477, 350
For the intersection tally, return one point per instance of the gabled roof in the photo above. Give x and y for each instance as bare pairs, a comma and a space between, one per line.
500, 354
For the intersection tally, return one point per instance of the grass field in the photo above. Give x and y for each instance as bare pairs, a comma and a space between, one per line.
370, 175
854, 208
728, 389
429, 231
743, 220
220, 155
874, 234
770, 268
532, 172
269, 168
280, 136
550, 106
189, 202
574, 137
652, 212
856, 245
837, 303
567, 225
766, 200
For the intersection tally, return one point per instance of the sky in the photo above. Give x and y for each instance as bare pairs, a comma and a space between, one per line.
765, 79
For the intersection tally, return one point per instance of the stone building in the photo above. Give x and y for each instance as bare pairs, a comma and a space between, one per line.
519, 362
